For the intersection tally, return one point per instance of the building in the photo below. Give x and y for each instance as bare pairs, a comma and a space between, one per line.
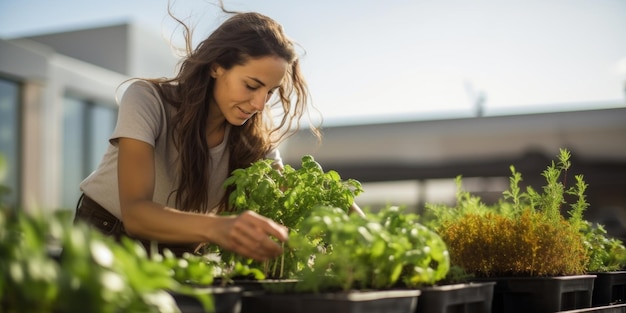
57, 104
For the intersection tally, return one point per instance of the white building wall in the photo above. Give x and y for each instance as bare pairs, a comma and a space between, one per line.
46, 77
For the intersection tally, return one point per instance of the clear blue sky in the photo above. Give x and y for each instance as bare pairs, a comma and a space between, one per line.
373, 60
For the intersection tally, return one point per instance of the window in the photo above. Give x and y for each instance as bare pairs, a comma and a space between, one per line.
9, 139
86, 129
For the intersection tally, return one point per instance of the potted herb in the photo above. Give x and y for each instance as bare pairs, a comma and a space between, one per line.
371, 264
379, 252
607, 258
287, 196
196, 273
534, 253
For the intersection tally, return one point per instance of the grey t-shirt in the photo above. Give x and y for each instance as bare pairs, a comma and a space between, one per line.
143, 116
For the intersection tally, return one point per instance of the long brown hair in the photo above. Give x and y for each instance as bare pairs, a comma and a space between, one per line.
241, 37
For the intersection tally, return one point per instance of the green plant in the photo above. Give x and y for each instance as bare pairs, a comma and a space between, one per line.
524, 233
377, 252
50, 264
93, 273
287, 196
605, 253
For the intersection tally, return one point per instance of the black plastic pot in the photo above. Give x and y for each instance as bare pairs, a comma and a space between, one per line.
387, 301
609, 288
541, 294
225, 300
459, 298
266, 285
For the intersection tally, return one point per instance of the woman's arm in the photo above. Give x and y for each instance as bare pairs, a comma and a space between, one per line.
248, 234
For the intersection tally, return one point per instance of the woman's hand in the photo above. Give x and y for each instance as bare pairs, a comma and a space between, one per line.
251, 235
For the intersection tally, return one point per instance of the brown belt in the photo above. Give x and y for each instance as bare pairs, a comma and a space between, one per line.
89, 211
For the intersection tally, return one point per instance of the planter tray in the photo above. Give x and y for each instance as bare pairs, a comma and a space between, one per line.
609, 288
541, 294
384, 301
473, 297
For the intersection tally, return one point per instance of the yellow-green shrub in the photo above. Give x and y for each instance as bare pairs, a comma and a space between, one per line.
528, 244
524, 233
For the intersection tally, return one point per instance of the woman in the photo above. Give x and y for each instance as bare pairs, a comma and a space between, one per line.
178, 139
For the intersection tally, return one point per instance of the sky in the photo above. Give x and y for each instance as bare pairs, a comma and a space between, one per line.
369, 61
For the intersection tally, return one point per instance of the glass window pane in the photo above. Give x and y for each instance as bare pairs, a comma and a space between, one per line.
9, 123
73, 151
103, 119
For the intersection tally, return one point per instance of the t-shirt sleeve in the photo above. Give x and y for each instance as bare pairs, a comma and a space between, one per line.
140, 114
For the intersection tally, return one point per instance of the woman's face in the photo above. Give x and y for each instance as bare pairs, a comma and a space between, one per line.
243, 90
